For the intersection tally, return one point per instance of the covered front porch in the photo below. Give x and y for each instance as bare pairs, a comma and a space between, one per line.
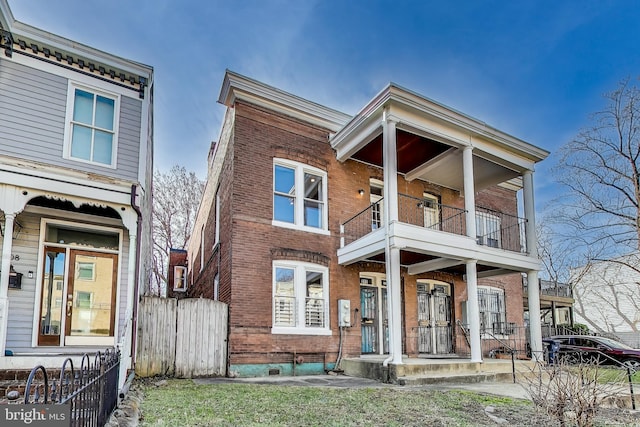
411, 139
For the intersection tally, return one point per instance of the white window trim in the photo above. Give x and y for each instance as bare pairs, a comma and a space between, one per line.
298, 224
65, 342
216, 287
202, 248
217, 231
72, 86
504, 296
299, 283
184, 278
482, 221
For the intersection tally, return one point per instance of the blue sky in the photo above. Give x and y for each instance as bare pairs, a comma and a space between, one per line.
534, 69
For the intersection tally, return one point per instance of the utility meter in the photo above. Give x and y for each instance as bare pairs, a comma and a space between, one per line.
344, 313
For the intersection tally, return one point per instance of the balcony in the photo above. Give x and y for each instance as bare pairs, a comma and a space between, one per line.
493, 228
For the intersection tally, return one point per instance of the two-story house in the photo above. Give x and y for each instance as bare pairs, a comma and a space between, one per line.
392, 232
75, 191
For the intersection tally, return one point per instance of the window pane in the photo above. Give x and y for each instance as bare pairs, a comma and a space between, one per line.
85, 270
312, 187
283, 208
312, 214
102, 147
81, 142
284, 281
104, 113
285, 180
284, 301
83, 107
314, 304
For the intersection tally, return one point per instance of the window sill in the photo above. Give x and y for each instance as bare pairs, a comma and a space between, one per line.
300, 331
300, 227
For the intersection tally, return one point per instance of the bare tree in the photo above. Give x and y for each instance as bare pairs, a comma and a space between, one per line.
600, 213
176, 198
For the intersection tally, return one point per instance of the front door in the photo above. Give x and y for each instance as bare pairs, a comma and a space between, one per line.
78, 297
434, 318
374, 321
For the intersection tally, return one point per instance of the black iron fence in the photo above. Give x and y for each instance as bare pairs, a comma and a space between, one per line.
91, 391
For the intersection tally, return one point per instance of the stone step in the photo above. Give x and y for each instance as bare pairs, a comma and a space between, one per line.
455, 378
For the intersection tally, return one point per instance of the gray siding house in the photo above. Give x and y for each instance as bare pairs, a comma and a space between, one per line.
75, 196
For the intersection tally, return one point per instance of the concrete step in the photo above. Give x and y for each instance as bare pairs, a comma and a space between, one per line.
455, 378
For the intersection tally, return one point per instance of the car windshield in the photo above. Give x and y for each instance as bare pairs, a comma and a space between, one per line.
614, 344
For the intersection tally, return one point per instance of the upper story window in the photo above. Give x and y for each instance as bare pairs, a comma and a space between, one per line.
488, 230
179, 278
299, 196
92, 117
300, 298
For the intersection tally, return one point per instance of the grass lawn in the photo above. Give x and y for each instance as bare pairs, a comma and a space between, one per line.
184, 403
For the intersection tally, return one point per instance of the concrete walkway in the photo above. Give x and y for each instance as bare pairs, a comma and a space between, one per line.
507, 389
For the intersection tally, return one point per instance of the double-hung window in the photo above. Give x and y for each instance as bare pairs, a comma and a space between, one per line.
488, 230
493, 313
299, 196
92, 126
300, 298
179, 278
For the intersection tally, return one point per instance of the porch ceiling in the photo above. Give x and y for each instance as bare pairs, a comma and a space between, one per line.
423, 158
409, 258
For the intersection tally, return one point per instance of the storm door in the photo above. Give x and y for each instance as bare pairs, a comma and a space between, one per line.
434, 318
374, 320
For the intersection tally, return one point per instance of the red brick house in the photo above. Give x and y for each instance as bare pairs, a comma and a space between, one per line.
392, 232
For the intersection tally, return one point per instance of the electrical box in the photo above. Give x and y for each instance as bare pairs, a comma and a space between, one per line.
344, 313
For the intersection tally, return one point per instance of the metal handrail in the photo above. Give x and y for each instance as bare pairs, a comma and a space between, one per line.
512, 352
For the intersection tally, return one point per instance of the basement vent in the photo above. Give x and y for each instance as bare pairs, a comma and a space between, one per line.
274, 371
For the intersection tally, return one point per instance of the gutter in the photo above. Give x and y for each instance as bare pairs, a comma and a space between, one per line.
136, 290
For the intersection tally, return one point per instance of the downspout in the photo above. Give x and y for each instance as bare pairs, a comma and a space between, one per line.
136, 290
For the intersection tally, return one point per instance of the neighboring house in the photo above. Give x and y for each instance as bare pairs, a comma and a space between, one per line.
556, 306
75, 196
373, 234
607, 298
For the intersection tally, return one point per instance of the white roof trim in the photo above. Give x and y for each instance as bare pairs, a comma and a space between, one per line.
236, 86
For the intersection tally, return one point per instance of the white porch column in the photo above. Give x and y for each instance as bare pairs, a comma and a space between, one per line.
473, 311
533, 291
12, 202
130, 220
392, 254
7, 244
469, 190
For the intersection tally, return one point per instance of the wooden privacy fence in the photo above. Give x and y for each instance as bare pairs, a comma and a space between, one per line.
184, 338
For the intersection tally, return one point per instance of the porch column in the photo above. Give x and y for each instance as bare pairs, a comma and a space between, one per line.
130, 220
469, 190
12, 202
473, 311
533, 294
7, 243
392, 253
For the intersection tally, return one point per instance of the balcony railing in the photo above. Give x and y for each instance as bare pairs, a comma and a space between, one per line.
493, 228
553, 289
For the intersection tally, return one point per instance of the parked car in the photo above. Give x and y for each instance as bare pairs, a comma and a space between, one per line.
589, 349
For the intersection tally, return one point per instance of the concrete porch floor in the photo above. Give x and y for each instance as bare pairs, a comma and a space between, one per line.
421, 371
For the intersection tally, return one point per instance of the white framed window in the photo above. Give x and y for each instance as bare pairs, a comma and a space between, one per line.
217, 231
493, 310
91, 125
431, 206
299, 196
179, 278
376, 194
300, 298
488, 230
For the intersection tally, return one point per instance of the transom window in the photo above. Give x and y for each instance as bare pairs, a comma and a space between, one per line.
300, 298
92, 133
299, 196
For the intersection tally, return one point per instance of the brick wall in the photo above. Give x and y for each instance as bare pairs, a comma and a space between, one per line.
249, 243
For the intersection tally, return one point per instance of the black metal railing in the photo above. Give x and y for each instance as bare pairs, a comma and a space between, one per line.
91, 391
552, 289
429, 214
500, 230
493, 228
